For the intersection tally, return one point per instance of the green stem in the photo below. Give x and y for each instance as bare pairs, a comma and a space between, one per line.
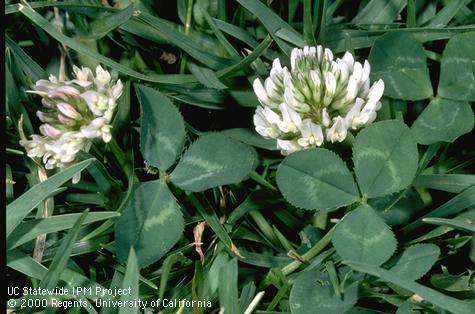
437, 57
411, 14
314, 250
283, 240
121, 158
462, 165
264, 226
398, 198
261, 180
188, 20
307, 22
331, 270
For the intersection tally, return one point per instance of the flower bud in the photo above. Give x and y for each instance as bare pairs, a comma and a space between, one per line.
102, 76
47, 118
50, 131
260, 91
68, 111
68, 90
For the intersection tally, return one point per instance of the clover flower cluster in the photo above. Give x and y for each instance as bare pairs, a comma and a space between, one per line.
319, 99
75, 112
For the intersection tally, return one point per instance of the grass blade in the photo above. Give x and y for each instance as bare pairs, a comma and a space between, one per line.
236, 32
98, 171
105, 24
205, 210
9, 194
19, 208
380, 11
465, 217
336, 37
165, 273
244, 63
228, 287
411, 14
289, 37
452, 207
131, 281
31, 68
307, 22
444, 301
57, 266
78, 6
447, 13
182, 41
226, 44
25, 264
73, 44
453, 183
452, 223
271, 21
206, 76
30, 229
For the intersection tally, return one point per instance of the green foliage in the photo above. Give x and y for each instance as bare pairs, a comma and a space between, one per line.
250, 137
313, 293
443, 301
188, 202
151, 224
396, 209
454, 183
211, 161
379, 11
29, 230
399, 59
103, 25
272, 22
316, 179
131, 281
443, 120
457, 78
34, 71
228, 288
467, 217
162, 132
451, 283
206, 76
416, 261
206, 211
27, 265
57, 266
362, 236
80, 47
447, 13
385, 157
189, 45
452, 223
18, 209
454, 206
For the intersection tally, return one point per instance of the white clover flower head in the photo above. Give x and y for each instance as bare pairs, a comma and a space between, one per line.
75, 112
318, 100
